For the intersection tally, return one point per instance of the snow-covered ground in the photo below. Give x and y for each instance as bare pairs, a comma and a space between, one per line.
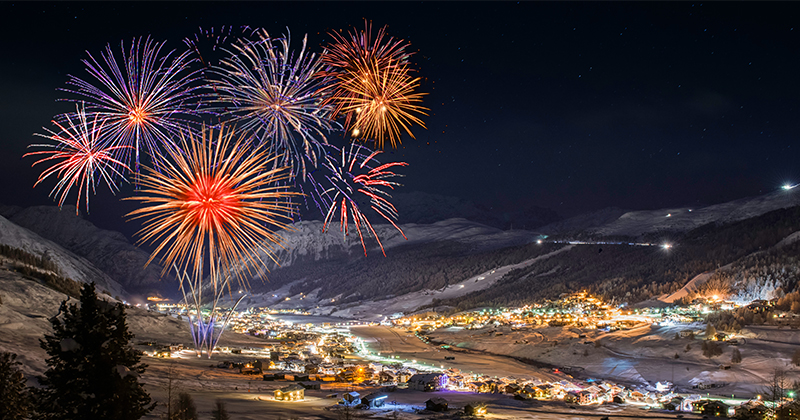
27, 307
643, 355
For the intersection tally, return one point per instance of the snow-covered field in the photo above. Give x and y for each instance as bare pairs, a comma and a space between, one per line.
643, 355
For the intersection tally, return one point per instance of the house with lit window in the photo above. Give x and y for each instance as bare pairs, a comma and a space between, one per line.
293, 392
427, 382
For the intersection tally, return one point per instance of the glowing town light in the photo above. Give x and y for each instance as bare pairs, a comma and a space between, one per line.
666, 246
787, 187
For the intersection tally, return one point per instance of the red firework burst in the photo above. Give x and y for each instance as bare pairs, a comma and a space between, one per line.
352, 175
214, 201
82, 158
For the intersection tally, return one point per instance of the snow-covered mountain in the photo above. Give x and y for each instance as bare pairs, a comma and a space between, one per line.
109, 251
307, 242
310, 258
70, 265
679, 219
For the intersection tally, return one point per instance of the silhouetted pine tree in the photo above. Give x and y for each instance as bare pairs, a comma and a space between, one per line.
14, 398
92, 369
736, 356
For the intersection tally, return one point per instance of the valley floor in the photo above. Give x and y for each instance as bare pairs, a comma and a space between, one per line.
642, 355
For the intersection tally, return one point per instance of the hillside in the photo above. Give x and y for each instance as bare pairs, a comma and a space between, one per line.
458, 262
107, 250
635, 273
683, 219
68, 264
432, 257
443, 271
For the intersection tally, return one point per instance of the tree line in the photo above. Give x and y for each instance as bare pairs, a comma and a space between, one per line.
40, 268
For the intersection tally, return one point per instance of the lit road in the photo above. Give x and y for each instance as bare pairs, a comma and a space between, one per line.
406, 347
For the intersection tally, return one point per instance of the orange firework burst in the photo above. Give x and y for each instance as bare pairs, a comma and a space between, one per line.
371, 86
216, 201
83, 158
382, 103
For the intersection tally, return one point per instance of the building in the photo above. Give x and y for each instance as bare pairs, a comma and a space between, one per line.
790, 410
436, 404
715, 408
386, 377
427, 382
290, 393
310, 385
351, 398
374, 400
751, 409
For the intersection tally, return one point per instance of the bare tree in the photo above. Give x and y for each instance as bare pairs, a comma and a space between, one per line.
186, 410
775, 390
796, 357
172, 391
220, 412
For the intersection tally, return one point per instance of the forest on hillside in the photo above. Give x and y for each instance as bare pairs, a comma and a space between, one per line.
407, 269
632, 274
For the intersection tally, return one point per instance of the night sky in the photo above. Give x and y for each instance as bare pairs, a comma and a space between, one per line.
569, 106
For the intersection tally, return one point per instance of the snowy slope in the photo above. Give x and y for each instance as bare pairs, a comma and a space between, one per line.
70, 265
107, 250
307, 241
684, 219
410, 302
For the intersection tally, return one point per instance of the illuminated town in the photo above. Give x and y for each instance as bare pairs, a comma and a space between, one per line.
331, 356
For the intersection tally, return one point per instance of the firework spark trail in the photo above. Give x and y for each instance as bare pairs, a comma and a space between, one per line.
145, 102
209, 45
84, 157
352, 175
371, 85
202, 329
276, 94
215, 200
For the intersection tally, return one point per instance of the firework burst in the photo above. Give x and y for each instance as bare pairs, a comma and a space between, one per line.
356, 172
216, 201
383, 103
81, 158
371, 85
276, 94
145, 99
347, 54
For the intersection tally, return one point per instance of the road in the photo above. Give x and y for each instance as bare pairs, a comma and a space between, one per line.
397, 342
